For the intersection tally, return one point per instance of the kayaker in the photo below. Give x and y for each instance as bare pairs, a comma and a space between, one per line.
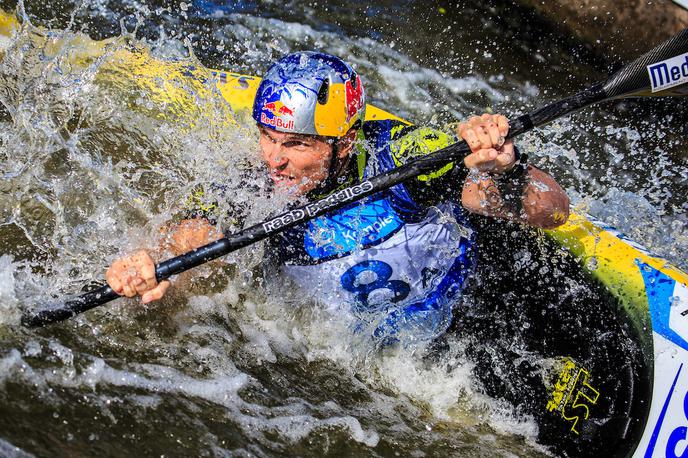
399, 259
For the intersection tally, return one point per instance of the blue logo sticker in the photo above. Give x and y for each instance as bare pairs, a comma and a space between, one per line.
660, 291
354, 227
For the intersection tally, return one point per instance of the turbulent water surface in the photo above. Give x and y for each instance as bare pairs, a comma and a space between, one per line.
93, 162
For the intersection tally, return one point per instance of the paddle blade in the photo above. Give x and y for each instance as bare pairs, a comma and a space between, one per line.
661, 71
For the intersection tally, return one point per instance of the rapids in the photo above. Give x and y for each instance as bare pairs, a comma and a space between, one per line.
92, 163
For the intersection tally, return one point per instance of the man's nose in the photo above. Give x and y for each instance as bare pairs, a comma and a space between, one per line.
276, 158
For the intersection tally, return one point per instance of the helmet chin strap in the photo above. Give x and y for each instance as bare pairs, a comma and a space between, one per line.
330, 182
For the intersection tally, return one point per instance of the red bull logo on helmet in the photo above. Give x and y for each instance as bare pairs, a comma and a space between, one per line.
278, 109
280, 116
277, 122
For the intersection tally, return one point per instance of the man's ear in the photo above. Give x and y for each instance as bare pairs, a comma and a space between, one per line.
346, 143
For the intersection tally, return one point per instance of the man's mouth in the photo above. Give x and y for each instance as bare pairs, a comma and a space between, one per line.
281, 178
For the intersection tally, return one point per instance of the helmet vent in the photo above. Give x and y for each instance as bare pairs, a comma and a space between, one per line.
324, 92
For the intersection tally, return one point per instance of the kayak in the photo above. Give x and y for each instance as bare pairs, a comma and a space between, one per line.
609, 330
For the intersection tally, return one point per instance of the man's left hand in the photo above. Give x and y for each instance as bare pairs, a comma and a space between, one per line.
486, 136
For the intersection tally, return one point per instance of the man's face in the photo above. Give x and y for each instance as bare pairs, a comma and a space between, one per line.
297, 163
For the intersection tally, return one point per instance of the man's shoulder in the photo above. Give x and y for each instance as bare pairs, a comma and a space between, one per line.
404, 134
407, 142
395, 143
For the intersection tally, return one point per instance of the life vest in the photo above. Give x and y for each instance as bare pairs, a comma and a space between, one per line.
398, 266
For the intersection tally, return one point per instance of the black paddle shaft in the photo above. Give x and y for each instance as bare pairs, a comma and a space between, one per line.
633, 79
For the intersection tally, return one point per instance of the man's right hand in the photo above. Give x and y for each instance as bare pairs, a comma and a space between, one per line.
135, 275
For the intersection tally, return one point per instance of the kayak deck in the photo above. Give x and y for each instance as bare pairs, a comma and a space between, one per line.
550, 339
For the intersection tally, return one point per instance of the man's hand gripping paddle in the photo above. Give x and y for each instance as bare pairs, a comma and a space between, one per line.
663, 71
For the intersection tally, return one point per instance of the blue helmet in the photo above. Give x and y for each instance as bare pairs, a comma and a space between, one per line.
310, 93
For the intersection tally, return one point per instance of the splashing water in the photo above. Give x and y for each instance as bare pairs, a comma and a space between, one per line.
8, 299
102, 142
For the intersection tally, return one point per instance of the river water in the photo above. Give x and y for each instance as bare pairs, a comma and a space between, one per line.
93, 162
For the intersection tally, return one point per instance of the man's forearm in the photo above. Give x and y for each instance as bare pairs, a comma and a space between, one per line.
189, 234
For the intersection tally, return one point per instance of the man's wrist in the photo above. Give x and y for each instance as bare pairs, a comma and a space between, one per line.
519, 159
512, 184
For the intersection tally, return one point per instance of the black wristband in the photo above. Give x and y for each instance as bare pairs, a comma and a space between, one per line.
512, 184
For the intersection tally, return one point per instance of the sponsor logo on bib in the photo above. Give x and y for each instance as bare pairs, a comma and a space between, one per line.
380, 223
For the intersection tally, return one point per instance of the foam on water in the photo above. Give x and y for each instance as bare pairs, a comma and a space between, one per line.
8, 299
10, 451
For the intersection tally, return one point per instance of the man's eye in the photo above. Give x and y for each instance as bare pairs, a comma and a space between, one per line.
295, 144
